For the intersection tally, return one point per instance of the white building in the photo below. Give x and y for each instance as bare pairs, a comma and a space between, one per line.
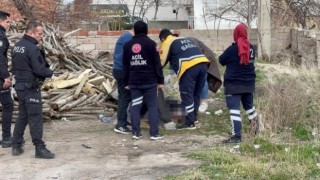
169, 10
203, 21
192, 11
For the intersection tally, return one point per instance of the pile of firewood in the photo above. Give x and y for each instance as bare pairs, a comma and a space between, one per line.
82, 86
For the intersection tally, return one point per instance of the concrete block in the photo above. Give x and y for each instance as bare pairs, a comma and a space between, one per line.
110, 47
110, 39
87, 47
81, 37
95, 40
102, 47
83, 41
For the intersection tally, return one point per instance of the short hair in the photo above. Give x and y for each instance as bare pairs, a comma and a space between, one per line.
164, 33
32, 25
140, 27
4, 15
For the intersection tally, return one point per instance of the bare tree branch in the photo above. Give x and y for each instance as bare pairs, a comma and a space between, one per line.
25, 9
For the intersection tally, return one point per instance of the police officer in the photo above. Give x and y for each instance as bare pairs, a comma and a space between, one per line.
30, 70
5, 82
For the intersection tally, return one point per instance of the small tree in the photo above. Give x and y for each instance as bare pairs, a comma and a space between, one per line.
294, 12
232, 10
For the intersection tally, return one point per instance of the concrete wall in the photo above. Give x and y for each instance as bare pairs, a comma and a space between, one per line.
174, 24
168, 24
95, 41
307, 45
302, 43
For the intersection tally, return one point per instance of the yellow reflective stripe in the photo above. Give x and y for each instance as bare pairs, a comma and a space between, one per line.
188, 64
165, 47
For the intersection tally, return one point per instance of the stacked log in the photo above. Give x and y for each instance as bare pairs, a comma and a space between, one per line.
82, 86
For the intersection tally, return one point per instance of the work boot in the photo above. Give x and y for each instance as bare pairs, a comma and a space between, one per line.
17, 150
43, 152
6, 142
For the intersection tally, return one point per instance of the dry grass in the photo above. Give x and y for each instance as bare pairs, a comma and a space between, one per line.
290, 109
289, 101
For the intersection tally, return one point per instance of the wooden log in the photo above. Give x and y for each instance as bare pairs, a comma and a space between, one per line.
87, 101
50, 112
107, 104
69, 67
87, 108
88, 88
61, 102
107, 87
60, 115
92, 75
81, 61
99, 111
61, 77
62, 95
86, 113
97, 80
96, 99
45, 95
107, 75
45, 105
80, 86
103, 99
74, 103
68, 83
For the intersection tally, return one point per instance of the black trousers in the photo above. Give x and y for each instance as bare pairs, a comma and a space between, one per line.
7, 109
30, 111
124, 99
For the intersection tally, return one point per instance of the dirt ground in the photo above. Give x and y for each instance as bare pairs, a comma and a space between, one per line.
89, 149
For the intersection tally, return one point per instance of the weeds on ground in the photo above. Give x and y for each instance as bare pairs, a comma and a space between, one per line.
269, 161
289, 146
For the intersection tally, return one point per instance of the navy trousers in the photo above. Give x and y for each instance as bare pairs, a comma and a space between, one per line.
148, 94
190, 86
233, 103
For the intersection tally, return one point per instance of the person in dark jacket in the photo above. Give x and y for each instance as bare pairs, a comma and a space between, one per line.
239, 82
143, 75
190, 64
5, 82
213, 74
30, 69
124, 97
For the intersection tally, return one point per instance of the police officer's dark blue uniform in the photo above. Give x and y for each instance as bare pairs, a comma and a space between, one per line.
30, 70
5, 95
